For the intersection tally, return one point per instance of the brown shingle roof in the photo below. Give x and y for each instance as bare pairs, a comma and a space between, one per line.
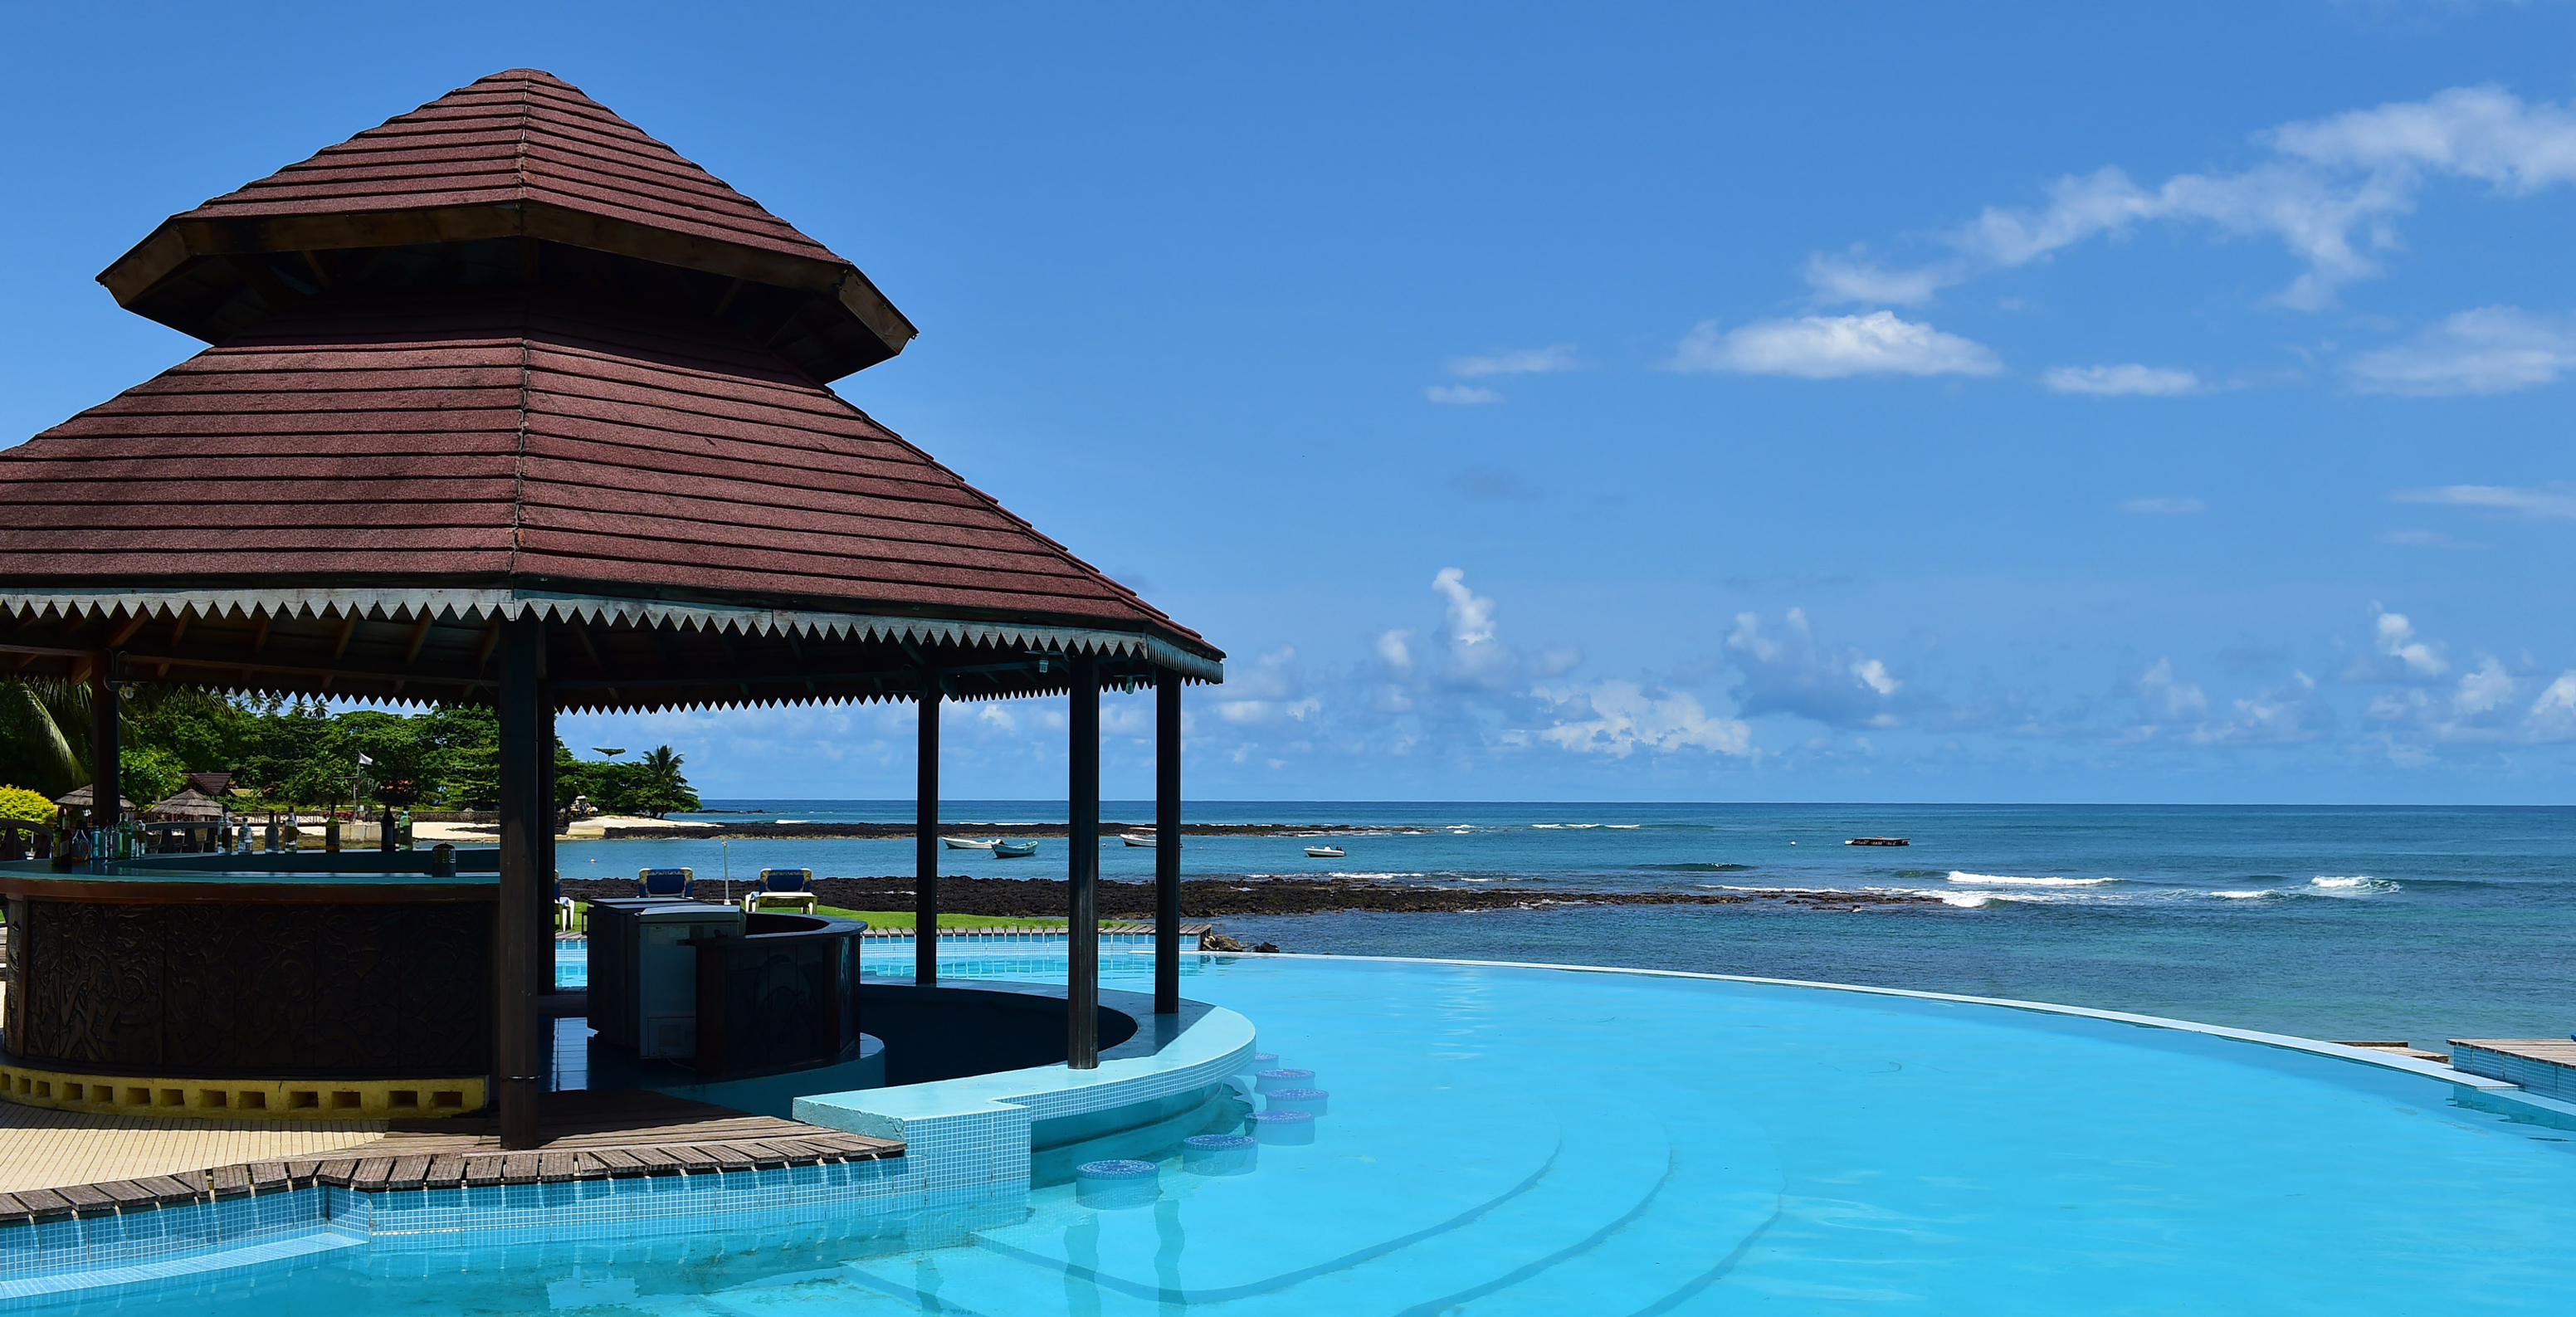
534, 443
517, 179
518, 135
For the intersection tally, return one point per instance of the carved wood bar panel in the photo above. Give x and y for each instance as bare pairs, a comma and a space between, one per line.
356, 991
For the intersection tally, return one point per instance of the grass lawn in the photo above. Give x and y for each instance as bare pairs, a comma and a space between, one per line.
887, 919
904, 919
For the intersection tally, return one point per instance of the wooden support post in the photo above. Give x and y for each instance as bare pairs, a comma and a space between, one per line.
519, 1078
1167, 841
105, 779
925, 840
1082, 868
543, 909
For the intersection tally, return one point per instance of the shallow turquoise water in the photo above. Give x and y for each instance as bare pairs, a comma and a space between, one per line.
2327, 922
1530, 1141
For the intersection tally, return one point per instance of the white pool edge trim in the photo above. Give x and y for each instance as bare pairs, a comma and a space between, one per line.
2292, 1042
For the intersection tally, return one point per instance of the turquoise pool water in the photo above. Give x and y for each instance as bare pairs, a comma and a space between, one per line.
1506, 1140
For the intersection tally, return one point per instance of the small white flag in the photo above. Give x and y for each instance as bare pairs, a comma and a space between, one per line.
364, 761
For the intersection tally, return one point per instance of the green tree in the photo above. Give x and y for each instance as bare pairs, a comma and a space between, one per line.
664, 789
20, 803
149, 774
33, 748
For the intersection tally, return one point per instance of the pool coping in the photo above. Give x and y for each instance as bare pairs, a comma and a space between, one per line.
2291, 1042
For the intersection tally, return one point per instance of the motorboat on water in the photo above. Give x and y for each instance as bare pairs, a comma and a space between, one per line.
969, 844
1014, 850
1324, 852
1144, 839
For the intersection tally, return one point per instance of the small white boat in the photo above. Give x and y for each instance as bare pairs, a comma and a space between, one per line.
968, 844
1145, 840
1014, 850
1324, 852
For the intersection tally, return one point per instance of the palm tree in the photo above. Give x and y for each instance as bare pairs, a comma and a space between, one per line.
44, 734
664, 788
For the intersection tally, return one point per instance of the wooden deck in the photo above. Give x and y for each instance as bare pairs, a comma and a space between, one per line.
586, 1136
2546, 1066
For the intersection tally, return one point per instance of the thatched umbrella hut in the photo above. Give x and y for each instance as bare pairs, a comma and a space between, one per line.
510, 404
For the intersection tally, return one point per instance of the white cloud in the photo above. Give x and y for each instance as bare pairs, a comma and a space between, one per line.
1625, 717
2173, 699
1829, 347
2493, 349
1460, 393
2483, 690
1396, 647
2163, 507
2330, 191
1475, 656
1853, 279
2397, 640
2546, 503
1791, 672
1873, 674
1516, 361
2121, 380
2552, 717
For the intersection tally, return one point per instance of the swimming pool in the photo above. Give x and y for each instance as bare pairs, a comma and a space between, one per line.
1524, 1140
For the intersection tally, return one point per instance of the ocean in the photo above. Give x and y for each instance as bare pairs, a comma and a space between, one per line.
2364, 922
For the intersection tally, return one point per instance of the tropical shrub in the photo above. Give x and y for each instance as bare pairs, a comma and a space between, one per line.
20, 803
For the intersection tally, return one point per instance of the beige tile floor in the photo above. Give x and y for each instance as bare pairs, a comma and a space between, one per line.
45, 1149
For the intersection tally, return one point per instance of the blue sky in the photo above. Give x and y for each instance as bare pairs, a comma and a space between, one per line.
2032, 402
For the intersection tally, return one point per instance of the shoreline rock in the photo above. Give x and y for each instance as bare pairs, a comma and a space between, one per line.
1212, 898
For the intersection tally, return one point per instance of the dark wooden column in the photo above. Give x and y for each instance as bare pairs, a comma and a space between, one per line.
518, 940
1082, 868
1167, 841
106, 780
925, 843
542, 906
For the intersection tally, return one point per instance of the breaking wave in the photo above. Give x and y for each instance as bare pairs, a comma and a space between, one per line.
2356, 885
2009, 880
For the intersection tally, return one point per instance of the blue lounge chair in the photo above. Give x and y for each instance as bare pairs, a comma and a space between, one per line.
793, 888
677, 884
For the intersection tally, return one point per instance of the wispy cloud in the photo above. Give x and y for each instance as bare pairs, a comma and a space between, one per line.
2121, 380
1853, 278
2418, 538
2493, 349
2330, 190
1829, 347
1619, 718
1789, 671
1516, 361
2553, 502
2162, 507
1460, 393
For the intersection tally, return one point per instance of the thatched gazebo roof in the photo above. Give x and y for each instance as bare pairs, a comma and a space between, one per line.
188, 806
79, 798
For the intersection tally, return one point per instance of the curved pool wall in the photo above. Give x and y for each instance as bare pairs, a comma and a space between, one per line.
971, 1142
1951, 1242
988, 1137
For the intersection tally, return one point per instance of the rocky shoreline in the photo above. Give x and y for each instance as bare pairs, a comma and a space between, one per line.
816, 831
1212, 898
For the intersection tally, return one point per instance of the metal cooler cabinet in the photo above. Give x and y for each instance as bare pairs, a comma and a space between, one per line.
644, 970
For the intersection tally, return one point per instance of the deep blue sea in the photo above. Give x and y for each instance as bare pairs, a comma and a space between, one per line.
2348, 923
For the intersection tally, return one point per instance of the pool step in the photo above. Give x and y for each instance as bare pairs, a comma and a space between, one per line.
1328, 1241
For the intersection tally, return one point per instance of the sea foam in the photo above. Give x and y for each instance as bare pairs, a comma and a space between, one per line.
2009, 880
2357, 885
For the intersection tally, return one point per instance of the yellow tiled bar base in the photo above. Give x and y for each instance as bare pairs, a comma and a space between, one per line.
242, 1099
